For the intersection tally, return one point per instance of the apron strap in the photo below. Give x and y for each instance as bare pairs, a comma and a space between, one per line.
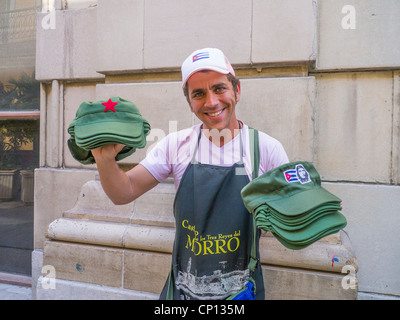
255, 162
170, 290
254, 151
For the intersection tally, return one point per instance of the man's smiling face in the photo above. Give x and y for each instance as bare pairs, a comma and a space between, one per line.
213, 100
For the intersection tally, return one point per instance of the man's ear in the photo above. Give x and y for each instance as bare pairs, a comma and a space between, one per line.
238, 91
190, 105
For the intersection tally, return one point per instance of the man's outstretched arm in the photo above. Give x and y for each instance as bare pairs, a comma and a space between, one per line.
121, 187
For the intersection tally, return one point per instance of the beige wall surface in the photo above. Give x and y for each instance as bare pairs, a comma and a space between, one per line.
358, 34
323, 77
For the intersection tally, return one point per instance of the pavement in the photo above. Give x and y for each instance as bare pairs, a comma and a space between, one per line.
16, 245
15, 292
16, 237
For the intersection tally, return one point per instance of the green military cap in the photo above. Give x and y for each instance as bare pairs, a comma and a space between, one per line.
295, 222
291, 189
301, 235
112, 121
290, 202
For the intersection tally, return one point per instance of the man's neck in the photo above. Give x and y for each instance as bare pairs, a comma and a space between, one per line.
222, 137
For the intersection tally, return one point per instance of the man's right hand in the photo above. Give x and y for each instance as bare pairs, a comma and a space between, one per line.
107, 152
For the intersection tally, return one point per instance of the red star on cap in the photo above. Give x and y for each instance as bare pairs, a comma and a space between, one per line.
109, 105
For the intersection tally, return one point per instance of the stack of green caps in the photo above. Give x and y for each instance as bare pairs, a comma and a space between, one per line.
112, 121
290, 202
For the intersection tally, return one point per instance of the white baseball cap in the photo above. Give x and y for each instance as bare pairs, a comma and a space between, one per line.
205, 59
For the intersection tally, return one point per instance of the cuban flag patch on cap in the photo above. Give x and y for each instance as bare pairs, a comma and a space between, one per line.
201, 55
298, 174
291, 176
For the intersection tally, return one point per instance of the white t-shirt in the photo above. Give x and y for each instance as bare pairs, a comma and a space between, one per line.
172, 154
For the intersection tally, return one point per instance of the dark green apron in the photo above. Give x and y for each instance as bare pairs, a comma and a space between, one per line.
213, 234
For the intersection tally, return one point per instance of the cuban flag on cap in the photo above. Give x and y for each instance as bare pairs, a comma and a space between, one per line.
291, 175
201, 55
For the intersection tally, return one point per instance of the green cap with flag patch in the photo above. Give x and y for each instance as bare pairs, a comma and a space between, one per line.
290, 189
290, 202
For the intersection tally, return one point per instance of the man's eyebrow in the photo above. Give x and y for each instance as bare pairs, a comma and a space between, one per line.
196, 91
220, 84
214, 86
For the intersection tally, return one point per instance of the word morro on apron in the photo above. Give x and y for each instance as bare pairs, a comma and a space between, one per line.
213, 234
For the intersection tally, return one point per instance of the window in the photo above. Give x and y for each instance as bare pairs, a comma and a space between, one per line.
19, 133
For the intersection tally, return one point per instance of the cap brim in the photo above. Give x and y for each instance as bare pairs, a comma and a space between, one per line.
325, 225
297, 224
103, 139
302, 202
212, 68
124, 129
82, 155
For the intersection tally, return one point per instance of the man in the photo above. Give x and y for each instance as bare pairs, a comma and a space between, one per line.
210, 164
302, 174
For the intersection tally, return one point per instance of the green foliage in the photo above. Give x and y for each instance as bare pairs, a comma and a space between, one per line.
17, 95
13, 135
20, 95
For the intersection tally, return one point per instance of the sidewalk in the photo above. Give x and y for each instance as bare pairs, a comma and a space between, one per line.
16, 243
15, 287
15, 292
16, 237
